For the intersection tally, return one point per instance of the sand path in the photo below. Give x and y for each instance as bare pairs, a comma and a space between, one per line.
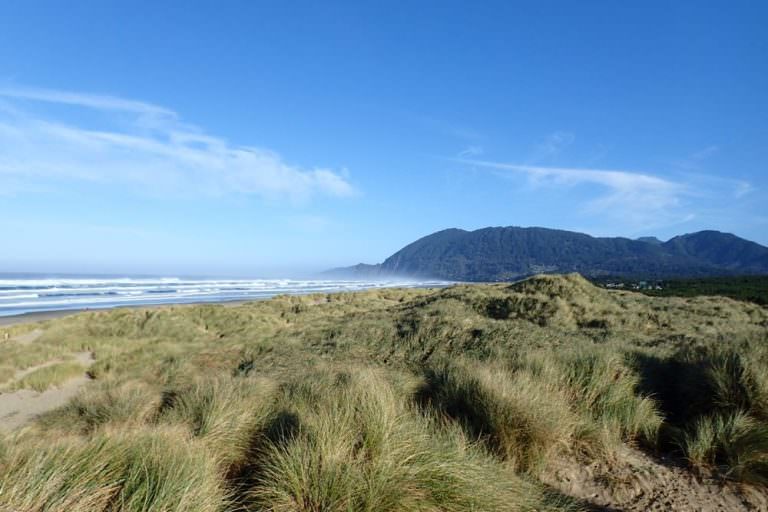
84, 358
27, 338
22, 406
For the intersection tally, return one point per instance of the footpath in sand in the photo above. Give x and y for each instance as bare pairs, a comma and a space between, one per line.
638, 482
19, 407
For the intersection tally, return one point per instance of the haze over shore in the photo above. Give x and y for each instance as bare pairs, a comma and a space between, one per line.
36, 294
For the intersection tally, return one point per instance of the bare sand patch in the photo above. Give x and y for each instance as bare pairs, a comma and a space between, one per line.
28, 318
84, 358
28, 337
21, 406
638, 482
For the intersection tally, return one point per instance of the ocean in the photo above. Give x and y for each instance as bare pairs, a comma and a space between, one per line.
31, 293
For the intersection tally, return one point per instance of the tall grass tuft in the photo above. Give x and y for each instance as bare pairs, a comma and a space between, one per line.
106, 404
223, 412
604, 386
147, 469
544, 405
715, 400
346, 442
520, 417
736, 444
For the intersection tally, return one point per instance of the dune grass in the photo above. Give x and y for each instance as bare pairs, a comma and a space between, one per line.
21, 357
604, 387
519, 418
346, 441
543, 405
715, 399
461, 398
6, 373
105, 405
49, 376
223, 412
736, 443
146, 469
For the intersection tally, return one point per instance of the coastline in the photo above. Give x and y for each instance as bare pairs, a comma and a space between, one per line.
36, 298
40, 316
180, 300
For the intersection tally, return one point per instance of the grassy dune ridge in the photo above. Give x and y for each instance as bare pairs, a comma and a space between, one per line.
461, 398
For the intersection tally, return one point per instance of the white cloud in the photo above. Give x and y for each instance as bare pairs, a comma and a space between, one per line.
640, 199
100, 102
155, 151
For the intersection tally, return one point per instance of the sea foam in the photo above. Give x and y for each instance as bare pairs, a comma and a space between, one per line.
37, 294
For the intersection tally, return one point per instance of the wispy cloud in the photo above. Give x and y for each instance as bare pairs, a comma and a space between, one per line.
154, 150
640, 199
705, 152
714, 187
742, 188
471, 151
101, 102
696, 160
692, 169
551, 147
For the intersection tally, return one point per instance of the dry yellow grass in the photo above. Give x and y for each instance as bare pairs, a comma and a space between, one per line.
49, 376
451, 399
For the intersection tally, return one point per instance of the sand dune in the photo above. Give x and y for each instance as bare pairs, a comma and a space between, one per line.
19, 407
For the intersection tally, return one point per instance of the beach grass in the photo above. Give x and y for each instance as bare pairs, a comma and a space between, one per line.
462, 398
138, 470
49, 376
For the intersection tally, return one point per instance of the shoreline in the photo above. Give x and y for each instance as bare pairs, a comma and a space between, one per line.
41, 316
38, 316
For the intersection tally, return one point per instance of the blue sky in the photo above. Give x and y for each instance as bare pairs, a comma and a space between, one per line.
269, 138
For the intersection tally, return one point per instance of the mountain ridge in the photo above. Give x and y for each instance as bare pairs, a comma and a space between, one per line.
510, 253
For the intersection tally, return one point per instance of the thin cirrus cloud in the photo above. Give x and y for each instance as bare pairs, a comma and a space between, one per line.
639, 199
552, 146
154, 150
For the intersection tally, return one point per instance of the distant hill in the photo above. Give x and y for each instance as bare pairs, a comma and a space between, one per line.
361, 270
508, 253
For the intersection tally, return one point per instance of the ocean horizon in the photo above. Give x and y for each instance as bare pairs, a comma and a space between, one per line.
24, 293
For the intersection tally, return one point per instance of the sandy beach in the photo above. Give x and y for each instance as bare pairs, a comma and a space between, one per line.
36, 317
26, 318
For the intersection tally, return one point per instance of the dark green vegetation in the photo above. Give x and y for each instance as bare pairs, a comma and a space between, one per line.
508, 253
462, 398
747, 288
